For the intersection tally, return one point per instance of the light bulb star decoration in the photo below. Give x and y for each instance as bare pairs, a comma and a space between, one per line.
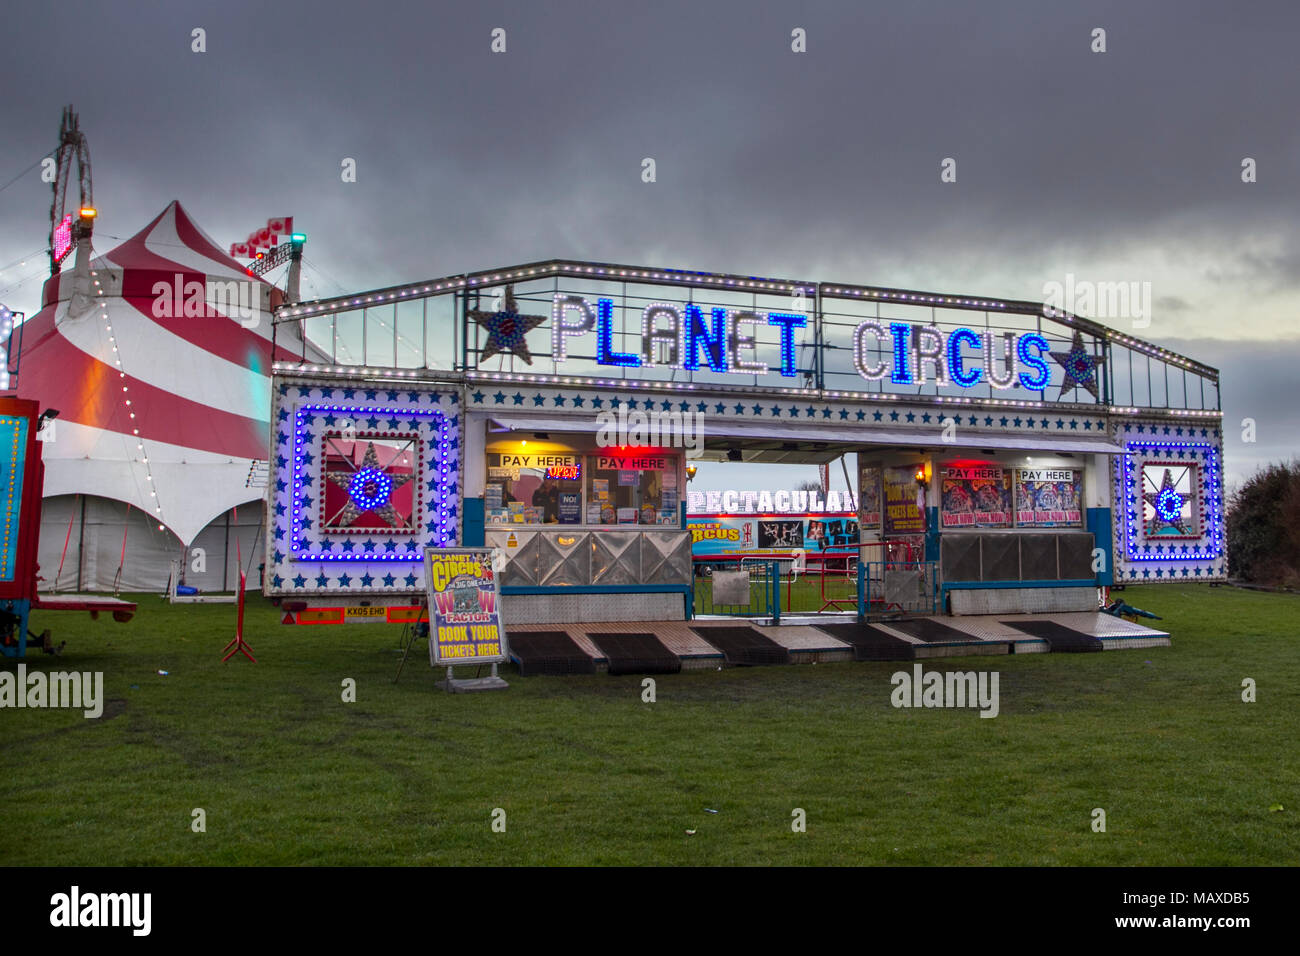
1166, 506
369, 489
507, 330
1080, 366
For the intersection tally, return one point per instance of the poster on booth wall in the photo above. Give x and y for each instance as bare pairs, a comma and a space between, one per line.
869, 496
1049, 497
465, 625
975, 496
570, 507
902, 516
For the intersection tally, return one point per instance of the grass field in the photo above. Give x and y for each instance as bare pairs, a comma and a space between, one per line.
589, 774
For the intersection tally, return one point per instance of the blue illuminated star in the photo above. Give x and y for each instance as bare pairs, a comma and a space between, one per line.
507, 330
1080, 367
1167, 504
369, 488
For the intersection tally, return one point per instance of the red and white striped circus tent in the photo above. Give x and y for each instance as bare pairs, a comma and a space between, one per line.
160, 371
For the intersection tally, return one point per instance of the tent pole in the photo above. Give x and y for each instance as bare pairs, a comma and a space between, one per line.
126, 526
239, 552
225, 559
257, 537
66, 538
81, 543
848, 483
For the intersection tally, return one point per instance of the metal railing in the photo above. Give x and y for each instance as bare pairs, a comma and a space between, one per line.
893, 587
751, 591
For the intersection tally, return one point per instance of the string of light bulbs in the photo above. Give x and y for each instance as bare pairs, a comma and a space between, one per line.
126, 400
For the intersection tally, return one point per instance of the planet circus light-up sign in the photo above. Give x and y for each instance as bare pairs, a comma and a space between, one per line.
725, 341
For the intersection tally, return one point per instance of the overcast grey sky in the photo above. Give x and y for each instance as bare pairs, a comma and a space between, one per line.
1115, 166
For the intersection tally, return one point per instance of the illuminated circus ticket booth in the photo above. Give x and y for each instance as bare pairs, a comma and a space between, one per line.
1020, 457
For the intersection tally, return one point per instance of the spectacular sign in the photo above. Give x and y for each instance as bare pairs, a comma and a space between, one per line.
726, 341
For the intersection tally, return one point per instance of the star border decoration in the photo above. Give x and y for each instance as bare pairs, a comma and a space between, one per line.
507, 330
1080, 368
342, 520
1158, 522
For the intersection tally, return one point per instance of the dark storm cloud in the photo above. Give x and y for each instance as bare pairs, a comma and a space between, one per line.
1172, 303
822, 165
767, 161
1257, 384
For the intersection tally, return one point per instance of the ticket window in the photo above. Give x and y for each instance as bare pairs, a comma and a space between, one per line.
533, 488
632, 489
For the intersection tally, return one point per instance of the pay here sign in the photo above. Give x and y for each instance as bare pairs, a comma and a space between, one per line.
465, 624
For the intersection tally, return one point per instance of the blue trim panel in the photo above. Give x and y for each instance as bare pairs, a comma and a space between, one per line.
1099, 523
473, 532
932, 534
